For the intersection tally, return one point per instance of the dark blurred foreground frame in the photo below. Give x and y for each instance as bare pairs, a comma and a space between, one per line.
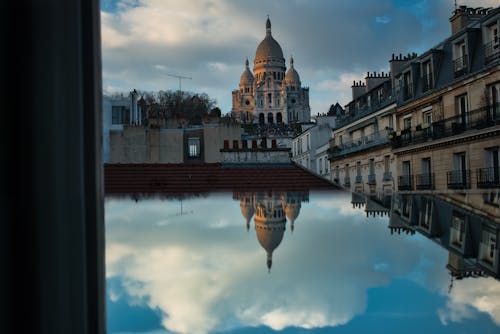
51, 187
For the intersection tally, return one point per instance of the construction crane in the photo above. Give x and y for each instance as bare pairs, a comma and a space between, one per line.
180, 77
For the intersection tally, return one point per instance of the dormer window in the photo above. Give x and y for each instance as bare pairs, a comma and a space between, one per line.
407, 86
427, 79
491, 45
460, 59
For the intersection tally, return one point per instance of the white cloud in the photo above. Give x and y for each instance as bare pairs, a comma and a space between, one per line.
481, 294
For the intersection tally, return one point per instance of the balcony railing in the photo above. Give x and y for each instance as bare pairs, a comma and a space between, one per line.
387, 176
491, 51
363, 111
377, 138
347, 181
458, 179
405, 182
475, 119
488, 177
424, 181
359, 179
460, 65
372, 179
427, 83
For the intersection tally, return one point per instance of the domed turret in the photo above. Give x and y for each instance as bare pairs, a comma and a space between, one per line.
268, 48
292, 77
247, 76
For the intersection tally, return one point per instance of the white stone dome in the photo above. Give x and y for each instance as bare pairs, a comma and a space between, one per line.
247, 76
292, 77
269, 47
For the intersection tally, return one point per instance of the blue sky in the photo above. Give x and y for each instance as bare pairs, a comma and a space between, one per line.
332, 42
339, 272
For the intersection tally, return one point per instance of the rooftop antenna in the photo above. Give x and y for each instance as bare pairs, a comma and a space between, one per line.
180, 77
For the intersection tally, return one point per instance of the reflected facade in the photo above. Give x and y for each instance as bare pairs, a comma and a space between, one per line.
467, 230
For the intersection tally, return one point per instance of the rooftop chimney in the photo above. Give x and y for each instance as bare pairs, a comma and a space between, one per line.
463, 16
358, 89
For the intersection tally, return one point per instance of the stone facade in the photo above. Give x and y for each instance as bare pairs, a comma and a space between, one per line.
432, 124
270, 95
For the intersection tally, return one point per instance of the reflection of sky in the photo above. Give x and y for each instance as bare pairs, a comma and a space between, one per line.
202, 272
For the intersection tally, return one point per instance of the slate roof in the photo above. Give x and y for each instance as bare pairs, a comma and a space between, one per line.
205, 178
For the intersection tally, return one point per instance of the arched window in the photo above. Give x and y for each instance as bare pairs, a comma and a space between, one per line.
270, 118
279, 118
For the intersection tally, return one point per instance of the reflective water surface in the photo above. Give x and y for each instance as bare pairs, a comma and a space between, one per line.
300, 262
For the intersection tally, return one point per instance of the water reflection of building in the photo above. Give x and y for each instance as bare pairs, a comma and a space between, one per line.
469, 232
470, 236
270, 211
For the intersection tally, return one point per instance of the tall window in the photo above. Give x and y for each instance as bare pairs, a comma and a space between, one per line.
387, 160
493, 92
462, 108
194, 150
372, 166
427, 75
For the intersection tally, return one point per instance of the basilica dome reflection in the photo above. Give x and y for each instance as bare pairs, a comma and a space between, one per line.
270, 212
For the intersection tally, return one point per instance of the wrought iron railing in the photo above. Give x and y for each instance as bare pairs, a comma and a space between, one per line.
424, 181
460, 65
475, 119
387, 176
488, 177
458, 179
359, 179
372, 178
377, 138
405, 182
363, 111
491, 51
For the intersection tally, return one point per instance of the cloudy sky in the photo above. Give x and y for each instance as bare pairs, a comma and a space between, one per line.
339, 272
332, 42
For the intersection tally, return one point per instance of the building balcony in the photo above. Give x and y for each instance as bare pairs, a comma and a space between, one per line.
460, 65
347, 181
424, 181
458, 179
364, 110
475, 119
363, 143
427, 83
359, 179
488, 177
491, 51
405, 182
387, 176
372, 179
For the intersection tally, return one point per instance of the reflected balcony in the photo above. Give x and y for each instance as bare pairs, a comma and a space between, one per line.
458, 179
347, 181
424, 181
488, 177
405, 182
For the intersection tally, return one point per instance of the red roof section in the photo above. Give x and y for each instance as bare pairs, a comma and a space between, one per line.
205, 178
